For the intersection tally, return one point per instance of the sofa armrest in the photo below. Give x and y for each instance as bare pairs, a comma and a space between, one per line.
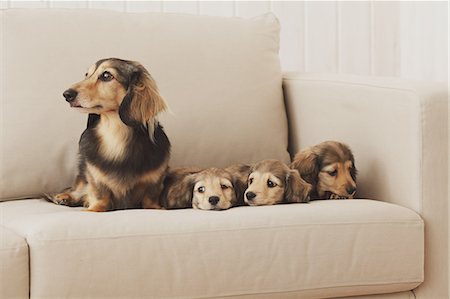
398, 131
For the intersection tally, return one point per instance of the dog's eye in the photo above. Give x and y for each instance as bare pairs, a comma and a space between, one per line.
224, 187
106, 76
250, 181
85, 75
270, 184
201, 189
333, 173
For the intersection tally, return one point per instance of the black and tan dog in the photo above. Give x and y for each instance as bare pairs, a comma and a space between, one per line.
207, 189
124, 151
330, 168
272, 182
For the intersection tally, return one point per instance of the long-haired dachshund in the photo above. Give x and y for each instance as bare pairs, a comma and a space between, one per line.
272, 182
207, 189
330, 168
124, 151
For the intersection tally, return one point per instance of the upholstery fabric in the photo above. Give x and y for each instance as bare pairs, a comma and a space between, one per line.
220, 76
14, 274
398, 131
320, 249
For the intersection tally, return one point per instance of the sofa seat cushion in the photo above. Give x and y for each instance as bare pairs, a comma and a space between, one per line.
320, 249
14, 274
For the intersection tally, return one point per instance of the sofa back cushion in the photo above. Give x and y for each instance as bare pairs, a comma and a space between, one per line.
220, 76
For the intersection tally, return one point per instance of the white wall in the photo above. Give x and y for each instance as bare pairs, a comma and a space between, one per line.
403, 39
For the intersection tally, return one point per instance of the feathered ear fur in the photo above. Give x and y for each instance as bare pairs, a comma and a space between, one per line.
239, 189
353, 170
240, 173
307, 164
142, 102
296, 189
182, 191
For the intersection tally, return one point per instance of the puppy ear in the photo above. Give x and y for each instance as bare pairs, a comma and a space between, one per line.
142, 102
296, 189
239, 189
240, 175
353, 170
179, 194
307, 164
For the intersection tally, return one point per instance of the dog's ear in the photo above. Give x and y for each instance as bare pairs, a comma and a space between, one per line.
92, 120
307, 164
239, 188
240, 175
296, 189
182, 191
353, 170
142, 102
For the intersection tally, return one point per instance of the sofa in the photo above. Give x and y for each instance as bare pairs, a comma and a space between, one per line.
230, 103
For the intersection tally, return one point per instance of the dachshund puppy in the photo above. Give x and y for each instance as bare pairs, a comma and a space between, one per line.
178, 188
208, 189
330, 168
124, 151
272, 182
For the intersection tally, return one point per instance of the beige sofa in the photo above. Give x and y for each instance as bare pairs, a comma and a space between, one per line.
230, 103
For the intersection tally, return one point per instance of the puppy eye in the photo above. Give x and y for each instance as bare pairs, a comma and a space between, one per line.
333, 173
106, 76
250, 181
270, 184
85, 75
224, 187
201, 189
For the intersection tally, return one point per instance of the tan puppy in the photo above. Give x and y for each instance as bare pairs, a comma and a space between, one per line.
209, 189
272, 182
330, 168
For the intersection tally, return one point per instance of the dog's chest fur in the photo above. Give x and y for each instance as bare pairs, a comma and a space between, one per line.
120, 150
113, 138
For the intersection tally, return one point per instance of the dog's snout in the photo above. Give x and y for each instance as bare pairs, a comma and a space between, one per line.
250, 195
70, 95
213, 200
350, 190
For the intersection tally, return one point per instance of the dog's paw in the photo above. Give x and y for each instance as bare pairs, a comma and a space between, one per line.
62, 199
335, 196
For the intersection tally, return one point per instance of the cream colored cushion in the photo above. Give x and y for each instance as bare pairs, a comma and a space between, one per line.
398, 130
220, 76
316, 250
14, 274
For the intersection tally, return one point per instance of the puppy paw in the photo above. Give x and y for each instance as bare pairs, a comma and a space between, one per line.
335, 196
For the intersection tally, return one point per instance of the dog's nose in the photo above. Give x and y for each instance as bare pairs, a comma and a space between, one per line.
250, 195
350, 190
213, 200
70, 95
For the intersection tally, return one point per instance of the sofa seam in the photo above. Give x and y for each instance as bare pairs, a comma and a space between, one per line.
312, 289
420, 222
380, 86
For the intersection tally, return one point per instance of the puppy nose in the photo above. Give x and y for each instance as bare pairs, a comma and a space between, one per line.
70, 94
213, 200
350, 190
250, 195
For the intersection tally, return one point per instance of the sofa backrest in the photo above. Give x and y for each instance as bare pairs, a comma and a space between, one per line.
220, 76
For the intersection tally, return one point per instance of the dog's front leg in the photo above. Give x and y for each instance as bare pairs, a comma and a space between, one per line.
72, 197
98, 198
152, 196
